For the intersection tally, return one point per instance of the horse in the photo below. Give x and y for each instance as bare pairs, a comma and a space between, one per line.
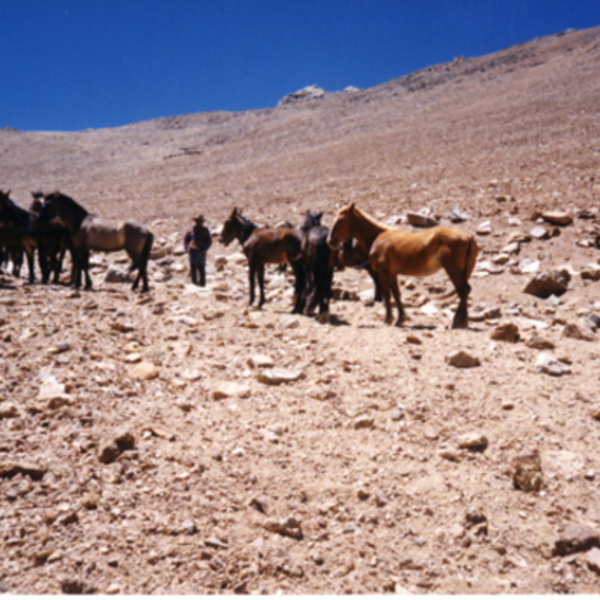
318, 266
88, 232
53, 242
393, 252
263, 245
16, 235
350, 254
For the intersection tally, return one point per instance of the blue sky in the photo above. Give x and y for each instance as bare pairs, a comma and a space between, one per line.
75, 64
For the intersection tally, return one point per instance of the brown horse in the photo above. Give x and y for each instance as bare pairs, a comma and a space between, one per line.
263, 245
393, 252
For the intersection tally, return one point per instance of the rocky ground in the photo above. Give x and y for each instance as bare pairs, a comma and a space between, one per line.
177, 442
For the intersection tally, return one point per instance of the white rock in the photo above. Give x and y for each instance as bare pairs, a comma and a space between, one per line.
546, 363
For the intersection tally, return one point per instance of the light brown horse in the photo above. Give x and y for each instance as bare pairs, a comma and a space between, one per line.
393, 252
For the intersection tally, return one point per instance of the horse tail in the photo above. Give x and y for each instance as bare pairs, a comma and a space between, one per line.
471, 257
142, 260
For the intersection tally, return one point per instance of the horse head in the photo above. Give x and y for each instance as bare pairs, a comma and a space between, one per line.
231, 228
341, 228
38, 203
312, 219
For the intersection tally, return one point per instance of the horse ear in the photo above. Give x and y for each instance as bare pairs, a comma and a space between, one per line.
352, 206
320, 215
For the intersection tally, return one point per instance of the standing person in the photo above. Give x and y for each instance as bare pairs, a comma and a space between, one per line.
197, 241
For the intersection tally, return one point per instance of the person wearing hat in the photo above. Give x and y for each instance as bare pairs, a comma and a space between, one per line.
197, 241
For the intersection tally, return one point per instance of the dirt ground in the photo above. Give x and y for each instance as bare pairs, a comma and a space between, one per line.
179, 442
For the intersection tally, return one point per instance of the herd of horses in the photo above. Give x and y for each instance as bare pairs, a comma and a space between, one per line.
55, 224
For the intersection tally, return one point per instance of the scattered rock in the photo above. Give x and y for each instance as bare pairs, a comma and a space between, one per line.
578, 332
278, 376
575, 538
458, 215
113, 447
546, 363
505, 332
557, 218
230, 389
476, 442
260, 361
540, 233
9, 468
423, 218
591, 272
538, 342
462, 360
215, 542
117, 275
527, 472
289, 527
364, 422
484, 228
144, 371
593, 560
8, 411
77, 586
551, 283
51, 390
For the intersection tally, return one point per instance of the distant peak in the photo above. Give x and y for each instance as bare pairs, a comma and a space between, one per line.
310, 92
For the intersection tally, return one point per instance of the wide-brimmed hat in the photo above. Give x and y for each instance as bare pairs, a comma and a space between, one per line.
199, 219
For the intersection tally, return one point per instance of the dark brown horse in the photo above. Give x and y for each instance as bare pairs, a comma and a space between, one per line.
263, 245
16, 234
350, 254
89, 232
393, 252
53, 242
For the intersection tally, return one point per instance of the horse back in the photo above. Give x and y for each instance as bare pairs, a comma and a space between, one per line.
268, 245
422, 253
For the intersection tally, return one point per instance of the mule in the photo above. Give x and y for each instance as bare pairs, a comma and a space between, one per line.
393, 252
88, 232
263, 245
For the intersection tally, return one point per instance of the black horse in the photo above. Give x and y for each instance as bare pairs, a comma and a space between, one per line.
16, 234
88, 232
53, 242
318, 265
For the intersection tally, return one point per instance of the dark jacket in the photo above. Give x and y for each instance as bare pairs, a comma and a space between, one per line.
197, 237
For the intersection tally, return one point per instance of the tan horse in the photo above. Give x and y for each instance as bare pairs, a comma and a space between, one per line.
393, 252
89, 232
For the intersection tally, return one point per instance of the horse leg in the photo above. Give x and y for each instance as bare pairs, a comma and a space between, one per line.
461, 317
396, 294
300, 286
385, 292
251, 277
375, 279
85, 263
261, 284
30, 265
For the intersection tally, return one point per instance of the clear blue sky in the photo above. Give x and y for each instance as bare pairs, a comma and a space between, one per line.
74, 64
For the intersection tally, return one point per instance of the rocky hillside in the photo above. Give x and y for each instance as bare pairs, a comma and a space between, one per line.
178, 442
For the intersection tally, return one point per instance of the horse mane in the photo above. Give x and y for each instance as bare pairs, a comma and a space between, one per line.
65, 203
19, 216
371, 220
